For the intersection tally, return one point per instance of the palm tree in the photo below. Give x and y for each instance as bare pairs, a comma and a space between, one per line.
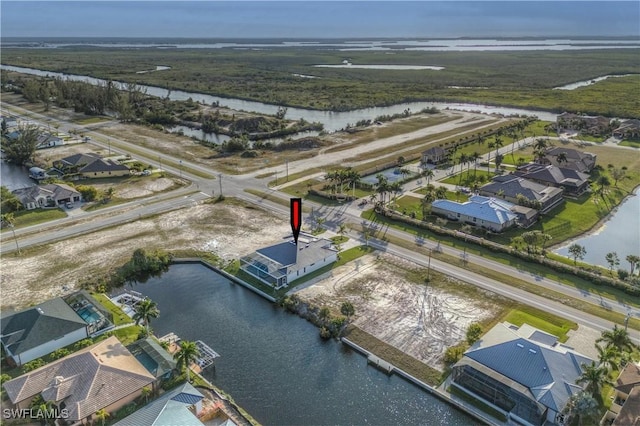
382, 187
396, 188
607, 356
353, 177
145, 310
102, 415
426, 201
428, 173
498, 143
618, 338
540, 148
498, 160
633, 261
594, 377
490, 145
561, 158
342, 229
441, 193
145, 392
475, 157
187, 355
582, 405
10, 220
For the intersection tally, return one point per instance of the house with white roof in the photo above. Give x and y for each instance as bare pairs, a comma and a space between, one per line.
282, 263
522, 372
484, 212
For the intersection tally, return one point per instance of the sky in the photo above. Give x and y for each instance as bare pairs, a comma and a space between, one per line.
311, 19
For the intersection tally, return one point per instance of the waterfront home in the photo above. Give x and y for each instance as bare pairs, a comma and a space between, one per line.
181, 406
102, 376
89, 165
52, 195
47, 140
571, 181
279, 264
489, 213
512, 188
625, 407
154, 357
37, 173
576, 160
435, 155
522, 372
34, 332
593, 125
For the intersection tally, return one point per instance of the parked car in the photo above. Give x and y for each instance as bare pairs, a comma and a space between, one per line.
146, 172
69, 205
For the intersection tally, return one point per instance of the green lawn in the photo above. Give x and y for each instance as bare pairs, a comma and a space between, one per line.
119, 317
128, 335
633, 144
26, 218
468, 177
542, 320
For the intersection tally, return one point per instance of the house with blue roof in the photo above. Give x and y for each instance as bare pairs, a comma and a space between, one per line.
484, 212
181, 406
282, 263
521, 371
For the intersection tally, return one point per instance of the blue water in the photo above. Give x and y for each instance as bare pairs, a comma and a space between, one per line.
274, 363
147, 362
89, 315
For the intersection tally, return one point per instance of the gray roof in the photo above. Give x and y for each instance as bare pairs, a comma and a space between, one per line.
80, 159
172, 408
101, 165
38, 325
87, 381
436, 150
282, 253
552, 174
548, 372
308, 251
487, 209
512, 185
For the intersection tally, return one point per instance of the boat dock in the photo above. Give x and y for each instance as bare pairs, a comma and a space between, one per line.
380, 363
207, 355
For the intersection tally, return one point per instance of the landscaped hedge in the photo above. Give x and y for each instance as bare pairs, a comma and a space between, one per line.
330, 196
499, 248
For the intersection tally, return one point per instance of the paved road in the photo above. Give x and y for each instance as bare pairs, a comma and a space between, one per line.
349, 213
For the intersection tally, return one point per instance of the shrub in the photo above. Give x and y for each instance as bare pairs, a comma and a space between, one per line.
89, 193
4, 378
32, 365
60, 353
454, 353
473, 333
623, 274
325, 333
82, 344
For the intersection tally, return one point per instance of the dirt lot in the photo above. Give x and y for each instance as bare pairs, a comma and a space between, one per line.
418, 319
226, 229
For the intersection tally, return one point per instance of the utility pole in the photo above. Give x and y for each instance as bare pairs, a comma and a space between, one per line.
160, 163
287, 163
626, 320
109, 142
180, 169
429, 267
14, 236
220, 181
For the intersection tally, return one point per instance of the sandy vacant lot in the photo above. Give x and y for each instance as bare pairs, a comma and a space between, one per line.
227, 229
417, 319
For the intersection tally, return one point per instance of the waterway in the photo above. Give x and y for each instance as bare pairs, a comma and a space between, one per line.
14, 177
583, 83
620, 234
275, 365
331, 120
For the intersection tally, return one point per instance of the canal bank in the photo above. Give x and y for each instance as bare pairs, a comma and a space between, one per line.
275, 364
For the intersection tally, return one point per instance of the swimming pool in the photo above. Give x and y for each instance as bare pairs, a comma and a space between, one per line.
392, 174
147, 362
89, 314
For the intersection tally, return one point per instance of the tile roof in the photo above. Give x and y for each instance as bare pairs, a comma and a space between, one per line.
512, 185
80, 159
487, 209
549, 372
552, 174
629, 414
38, 325
101, 165
88, 380
628, 378
172, 408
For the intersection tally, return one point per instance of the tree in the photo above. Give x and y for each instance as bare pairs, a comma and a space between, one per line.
540, 148
426, 201
145, 311
347, 309
428, 173
607, 356
441, 193
145, 392
473, 333
102, 415
617, 174
89, 193
577, 252
613, 260
498, 160
324, 313
20, 150
401, 161
342, 229
561, 158
633, 262
618, 338
187, 355
581, 405
490, 145
594, 377
604, 182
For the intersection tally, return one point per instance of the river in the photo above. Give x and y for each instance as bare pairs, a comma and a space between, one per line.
621, 233
14, 177
331, 120
274, 363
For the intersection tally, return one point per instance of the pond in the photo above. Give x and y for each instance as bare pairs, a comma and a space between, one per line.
14, 177
621, 233
275, 365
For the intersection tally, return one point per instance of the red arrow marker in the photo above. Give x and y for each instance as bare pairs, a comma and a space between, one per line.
296, 217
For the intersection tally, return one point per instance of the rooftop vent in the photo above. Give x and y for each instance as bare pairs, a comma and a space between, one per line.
520, 345
40, 310
533, 351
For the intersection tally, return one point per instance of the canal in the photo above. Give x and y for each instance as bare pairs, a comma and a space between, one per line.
274, 363
14, 177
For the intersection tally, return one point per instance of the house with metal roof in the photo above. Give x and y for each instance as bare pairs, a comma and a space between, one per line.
484, 212
510, 187
102, 376
521, 371
282, 263
39, 330
576, 160
180, 406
